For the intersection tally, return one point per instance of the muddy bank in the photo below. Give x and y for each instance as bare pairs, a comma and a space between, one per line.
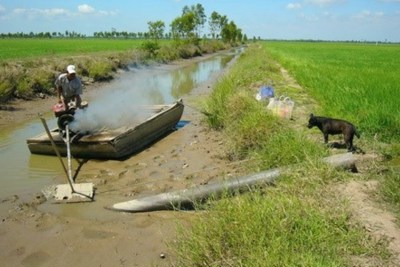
37, 233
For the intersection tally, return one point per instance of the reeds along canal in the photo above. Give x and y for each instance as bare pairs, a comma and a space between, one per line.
24, 174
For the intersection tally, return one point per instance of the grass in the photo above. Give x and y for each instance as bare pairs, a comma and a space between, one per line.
278, 229
253, 132
357, 82
12, 49
300, 221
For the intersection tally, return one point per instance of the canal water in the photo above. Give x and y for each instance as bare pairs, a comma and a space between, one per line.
23, 173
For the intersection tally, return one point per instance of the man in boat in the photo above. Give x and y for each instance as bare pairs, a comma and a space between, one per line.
69, 87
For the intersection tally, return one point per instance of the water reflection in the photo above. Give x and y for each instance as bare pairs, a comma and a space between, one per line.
185, 79
41, 165
22, 172
117, 105
17, 174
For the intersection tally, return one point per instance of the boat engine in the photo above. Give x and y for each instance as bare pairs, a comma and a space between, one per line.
64, 115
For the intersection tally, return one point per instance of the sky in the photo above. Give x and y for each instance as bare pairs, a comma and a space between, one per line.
331, 20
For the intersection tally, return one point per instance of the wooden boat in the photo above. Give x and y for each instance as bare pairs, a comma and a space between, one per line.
113, 144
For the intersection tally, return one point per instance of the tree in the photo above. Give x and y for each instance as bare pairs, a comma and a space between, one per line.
213, 22
239, 35
156, 32
184, 26
199, 16
156, 29
230, 33
217, 22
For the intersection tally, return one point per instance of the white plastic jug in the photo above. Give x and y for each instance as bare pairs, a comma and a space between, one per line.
285, 109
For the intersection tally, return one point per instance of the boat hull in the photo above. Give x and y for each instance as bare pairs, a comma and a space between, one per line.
113, 144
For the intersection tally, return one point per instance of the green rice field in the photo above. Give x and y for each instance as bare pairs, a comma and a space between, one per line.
29, 48
354, 81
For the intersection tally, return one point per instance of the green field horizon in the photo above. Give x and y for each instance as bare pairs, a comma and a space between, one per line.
27, 48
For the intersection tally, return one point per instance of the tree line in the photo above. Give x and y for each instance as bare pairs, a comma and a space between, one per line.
70, 34
189, 26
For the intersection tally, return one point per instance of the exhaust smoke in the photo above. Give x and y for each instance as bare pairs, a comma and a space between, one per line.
120, 105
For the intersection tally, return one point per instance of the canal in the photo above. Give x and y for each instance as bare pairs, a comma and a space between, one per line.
23, 173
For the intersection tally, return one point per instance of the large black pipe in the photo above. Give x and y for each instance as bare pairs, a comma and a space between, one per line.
187, 197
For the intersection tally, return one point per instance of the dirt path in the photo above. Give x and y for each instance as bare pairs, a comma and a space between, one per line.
379, 222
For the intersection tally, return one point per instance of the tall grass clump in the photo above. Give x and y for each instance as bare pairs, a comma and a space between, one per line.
253, 69
9, 75
390, 187
211, 46
216, 109
100, 70
357, 82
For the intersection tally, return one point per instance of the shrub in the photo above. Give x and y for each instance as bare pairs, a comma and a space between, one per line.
9, 77
188, 51
100, 70
7, 88
212, 46
151, 47
167, 54
35, 81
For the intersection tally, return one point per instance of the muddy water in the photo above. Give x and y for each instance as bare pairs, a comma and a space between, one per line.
23, 174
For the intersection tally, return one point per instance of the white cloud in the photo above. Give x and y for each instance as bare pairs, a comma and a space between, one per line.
2, 9
329, 15
324, 2
106, 13
309, 18
54, 12
86, 9
20, 11
33, 12
366, 14
293, 6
